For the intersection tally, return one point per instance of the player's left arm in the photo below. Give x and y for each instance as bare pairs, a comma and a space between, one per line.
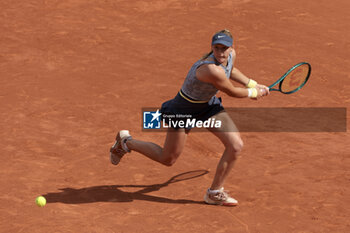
239, 77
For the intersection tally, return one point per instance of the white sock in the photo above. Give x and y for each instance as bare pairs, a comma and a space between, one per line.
215, 191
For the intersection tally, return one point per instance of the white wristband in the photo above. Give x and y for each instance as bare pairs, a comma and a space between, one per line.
250, 92
251, 83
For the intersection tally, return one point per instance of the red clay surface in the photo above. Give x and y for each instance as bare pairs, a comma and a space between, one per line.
74, 72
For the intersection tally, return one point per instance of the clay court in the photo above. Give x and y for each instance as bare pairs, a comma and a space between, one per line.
75, 72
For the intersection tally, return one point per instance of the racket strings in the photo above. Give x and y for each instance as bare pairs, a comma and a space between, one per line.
295, 79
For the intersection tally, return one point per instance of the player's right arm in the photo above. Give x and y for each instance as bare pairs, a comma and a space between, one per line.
210, 73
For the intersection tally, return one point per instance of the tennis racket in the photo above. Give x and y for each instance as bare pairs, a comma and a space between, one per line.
294, 79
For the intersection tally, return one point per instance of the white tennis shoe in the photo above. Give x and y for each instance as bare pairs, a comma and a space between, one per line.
219, 198
119, 149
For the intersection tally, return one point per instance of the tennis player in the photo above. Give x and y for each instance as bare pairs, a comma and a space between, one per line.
197, 98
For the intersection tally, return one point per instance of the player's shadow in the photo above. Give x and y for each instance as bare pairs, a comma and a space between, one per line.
112, 193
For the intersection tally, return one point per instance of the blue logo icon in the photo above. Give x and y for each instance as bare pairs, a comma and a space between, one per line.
151, 120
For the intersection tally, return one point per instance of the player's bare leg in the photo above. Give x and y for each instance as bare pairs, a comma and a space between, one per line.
232, 141
173, 147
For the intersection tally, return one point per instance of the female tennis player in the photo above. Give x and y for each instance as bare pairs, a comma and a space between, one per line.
197, 98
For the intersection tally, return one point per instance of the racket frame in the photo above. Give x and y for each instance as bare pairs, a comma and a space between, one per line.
281, 79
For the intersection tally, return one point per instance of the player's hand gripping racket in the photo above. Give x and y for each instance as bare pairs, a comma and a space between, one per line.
294, 79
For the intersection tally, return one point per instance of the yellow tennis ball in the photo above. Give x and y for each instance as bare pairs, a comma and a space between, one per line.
40, 201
